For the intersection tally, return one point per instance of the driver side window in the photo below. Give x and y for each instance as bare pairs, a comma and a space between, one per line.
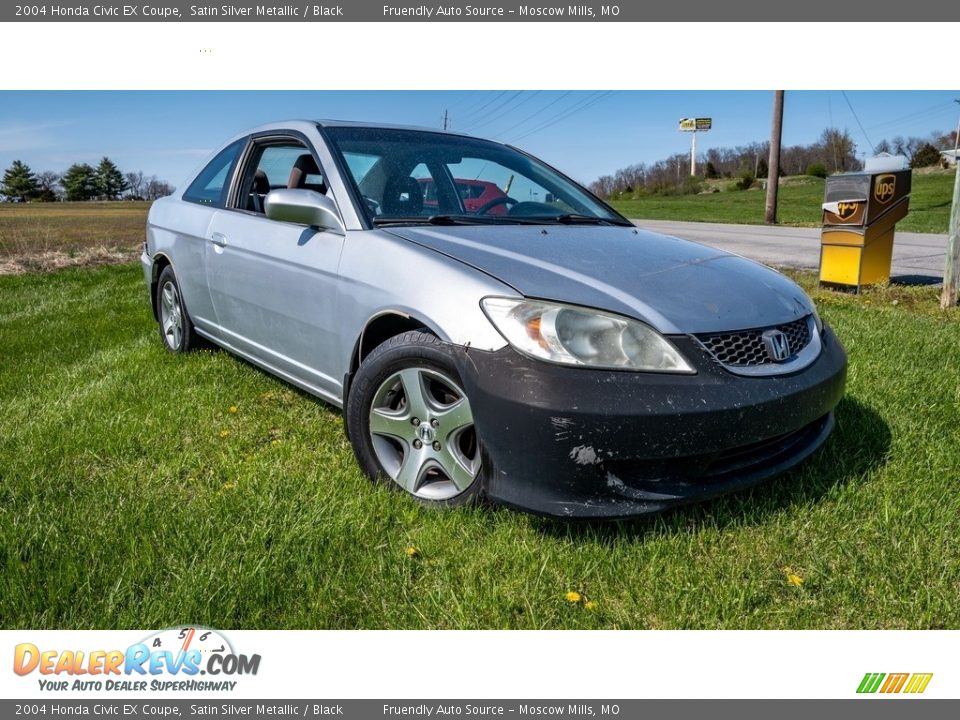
277, 164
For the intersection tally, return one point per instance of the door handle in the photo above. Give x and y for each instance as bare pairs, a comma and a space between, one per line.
219, 239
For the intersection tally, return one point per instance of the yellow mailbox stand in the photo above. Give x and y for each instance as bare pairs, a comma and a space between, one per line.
860, 214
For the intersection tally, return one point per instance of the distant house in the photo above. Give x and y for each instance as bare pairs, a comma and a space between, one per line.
949, 157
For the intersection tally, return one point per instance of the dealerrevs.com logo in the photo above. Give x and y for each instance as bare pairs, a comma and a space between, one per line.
178, 659
891, 683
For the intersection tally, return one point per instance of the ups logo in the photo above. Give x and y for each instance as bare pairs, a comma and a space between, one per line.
884, 187
846, 210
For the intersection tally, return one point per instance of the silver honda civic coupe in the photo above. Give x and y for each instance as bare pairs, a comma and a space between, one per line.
489, 327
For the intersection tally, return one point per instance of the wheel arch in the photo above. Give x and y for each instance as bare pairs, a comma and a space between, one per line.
379, 328
160, 262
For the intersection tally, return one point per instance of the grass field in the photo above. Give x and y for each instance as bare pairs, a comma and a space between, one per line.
800, 199
46, 236
141, 489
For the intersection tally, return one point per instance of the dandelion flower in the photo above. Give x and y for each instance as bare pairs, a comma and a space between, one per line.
590, 605
572, 597
792, 577
274, 443
232, 409
224, 433
412, 552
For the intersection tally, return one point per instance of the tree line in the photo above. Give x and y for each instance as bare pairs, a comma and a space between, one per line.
80, 182
834, 151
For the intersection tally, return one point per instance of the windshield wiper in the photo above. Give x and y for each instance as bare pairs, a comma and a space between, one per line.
448, 219
575, 219
453, 219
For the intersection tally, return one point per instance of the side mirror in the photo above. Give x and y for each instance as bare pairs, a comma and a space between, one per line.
303, 207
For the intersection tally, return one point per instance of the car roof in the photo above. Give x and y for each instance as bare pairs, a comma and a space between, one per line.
303, 125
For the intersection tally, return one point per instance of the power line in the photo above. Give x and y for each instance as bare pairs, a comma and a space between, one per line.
476, 100
484, 106
855, 117
512, 110
535, 113
484, 118
572, 110
564, 114
464, 96
934, 110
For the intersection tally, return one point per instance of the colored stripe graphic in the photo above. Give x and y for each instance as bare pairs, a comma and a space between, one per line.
918, 682
894, 683
870, 682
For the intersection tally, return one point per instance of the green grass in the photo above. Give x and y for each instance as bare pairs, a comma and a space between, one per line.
130, 496
800, 200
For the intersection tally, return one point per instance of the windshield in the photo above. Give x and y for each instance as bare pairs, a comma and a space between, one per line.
414, 176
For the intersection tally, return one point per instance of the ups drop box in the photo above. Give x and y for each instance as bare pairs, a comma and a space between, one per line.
860, 212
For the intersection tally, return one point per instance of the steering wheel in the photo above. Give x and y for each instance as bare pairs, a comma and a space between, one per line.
372, 205
497, 201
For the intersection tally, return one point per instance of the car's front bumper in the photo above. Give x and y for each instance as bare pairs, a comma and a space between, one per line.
574, 442
146, 265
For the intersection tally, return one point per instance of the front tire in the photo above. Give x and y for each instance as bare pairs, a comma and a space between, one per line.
176, 328
411, 423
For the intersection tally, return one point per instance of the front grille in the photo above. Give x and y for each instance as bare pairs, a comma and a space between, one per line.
745, 348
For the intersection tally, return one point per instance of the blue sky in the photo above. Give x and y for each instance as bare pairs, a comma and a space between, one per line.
585, 133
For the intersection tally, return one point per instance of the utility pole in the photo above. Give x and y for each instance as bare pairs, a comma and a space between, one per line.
773, 167
446, 119
951, 273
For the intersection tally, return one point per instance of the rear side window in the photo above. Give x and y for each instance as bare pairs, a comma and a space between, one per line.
211, 185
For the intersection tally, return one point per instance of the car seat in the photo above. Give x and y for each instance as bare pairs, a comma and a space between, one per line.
402, 197
305, 167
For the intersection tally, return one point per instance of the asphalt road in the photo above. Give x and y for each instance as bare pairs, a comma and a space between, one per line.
917, 257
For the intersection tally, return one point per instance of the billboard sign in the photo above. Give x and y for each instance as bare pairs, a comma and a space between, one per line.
695, 124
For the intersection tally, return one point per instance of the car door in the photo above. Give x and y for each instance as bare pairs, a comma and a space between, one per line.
274, 284
203, 199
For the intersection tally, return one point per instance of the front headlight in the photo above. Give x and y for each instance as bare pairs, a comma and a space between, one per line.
816, 320
580, 336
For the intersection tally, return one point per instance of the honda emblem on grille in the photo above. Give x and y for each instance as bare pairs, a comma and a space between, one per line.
777, 345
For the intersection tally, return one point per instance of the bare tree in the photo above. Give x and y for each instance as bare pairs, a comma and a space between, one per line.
48, 184
135, 183
839, 150
154, 188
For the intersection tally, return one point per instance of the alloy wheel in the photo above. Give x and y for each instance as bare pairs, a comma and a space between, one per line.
171, 315
423, 434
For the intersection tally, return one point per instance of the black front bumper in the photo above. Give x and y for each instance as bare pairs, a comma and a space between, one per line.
572, 442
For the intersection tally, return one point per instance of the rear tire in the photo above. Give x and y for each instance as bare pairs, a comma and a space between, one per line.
411, 424
176, 328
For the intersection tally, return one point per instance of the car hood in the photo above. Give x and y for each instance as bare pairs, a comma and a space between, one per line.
675, 285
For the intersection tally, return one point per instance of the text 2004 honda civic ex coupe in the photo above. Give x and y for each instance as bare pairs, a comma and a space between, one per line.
550, 356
